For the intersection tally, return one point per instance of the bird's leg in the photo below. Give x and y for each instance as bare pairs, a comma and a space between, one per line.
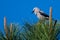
42, 21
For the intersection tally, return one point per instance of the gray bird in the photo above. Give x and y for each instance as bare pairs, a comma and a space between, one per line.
41, 15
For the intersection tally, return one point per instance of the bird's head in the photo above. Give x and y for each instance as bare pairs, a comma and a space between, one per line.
36, 10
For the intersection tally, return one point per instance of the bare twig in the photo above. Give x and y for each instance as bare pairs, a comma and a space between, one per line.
50, 19
11, 31
5, 28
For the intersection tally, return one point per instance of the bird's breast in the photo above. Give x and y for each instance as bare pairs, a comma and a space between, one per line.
40, 16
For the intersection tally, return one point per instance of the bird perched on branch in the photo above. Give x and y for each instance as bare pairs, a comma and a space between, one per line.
41, 15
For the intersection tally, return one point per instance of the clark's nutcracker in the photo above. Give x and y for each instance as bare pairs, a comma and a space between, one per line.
41, 15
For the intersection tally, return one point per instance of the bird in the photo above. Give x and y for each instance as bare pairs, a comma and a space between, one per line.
40, 14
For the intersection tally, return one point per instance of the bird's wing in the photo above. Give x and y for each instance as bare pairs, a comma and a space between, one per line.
43, 14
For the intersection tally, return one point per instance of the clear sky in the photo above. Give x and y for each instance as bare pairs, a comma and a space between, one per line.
17, 11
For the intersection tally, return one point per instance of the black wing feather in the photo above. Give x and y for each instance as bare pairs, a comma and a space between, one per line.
44, 14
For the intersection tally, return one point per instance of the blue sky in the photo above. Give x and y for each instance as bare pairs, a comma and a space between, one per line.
17, 11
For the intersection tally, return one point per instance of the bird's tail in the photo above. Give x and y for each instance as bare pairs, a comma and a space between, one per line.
55, 23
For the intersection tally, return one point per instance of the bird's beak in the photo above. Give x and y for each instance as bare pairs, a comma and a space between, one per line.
32, 11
